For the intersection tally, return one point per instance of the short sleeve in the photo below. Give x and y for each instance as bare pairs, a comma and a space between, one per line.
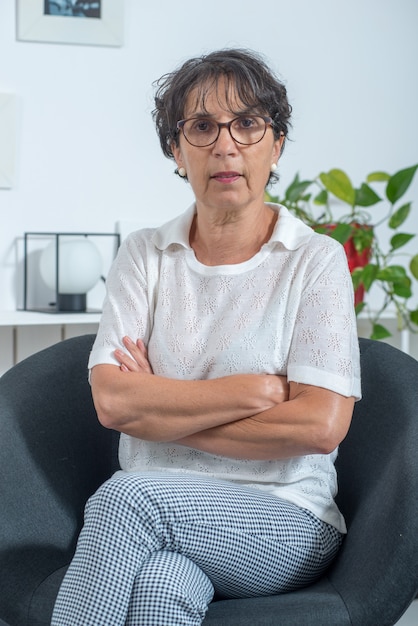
324, 349
126, 305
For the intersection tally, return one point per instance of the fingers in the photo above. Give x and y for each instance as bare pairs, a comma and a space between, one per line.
127, 364
137, 351
137, 358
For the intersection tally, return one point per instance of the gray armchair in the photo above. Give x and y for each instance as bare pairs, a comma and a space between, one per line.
54, 454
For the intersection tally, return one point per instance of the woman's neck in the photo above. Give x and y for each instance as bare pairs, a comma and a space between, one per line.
231, 237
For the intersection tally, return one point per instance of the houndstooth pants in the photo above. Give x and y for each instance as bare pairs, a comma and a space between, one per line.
156, 547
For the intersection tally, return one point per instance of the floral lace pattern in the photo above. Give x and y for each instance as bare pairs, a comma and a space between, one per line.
285, 311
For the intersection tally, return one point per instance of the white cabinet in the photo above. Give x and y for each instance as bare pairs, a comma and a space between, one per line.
24, 332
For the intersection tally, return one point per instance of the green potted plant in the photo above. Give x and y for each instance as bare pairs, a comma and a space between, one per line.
331, 204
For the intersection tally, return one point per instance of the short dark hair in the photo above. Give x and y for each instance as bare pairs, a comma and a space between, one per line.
256, 85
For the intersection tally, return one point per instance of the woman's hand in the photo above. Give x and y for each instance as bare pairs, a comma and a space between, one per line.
138, 359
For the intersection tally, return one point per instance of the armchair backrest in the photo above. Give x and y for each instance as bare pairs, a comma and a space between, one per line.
378, 487
53, 456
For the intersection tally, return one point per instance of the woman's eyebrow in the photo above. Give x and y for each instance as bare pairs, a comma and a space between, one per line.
206, 114
200, 114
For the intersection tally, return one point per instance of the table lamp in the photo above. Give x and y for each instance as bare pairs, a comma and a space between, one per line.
73, 270
61, 269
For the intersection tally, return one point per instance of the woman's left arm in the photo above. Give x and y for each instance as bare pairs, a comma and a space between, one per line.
313, 421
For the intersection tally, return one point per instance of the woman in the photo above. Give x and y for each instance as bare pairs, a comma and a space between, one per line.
227, 357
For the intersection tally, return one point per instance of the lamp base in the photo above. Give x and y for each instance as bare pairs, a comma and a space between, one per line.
72, 302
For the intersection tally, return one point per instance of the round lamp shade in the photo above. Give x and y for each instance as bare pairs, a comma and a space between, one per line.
79, 265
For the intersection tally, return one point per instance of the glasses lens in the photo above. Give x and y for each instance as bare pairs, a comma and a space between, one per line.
248, 129
245, 129
200, 132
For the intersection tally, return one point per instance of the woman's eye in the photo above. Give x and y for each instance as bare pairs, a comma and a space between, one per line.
246, 122
203, 126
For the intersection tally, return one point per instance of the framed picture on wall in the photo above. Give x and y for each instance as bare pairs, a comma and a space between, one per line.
96, 23
7, 139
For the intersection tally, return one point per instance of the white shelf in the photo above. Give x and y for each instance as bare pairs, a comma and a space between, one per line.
16, 319
24, 332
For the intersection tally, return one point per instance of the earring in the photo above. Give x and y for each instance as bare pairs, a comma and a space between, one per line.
273, 167
182, 172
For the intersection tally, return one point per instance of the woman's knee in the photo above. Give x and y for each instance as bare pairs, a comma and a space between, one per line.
172, 589
128, 506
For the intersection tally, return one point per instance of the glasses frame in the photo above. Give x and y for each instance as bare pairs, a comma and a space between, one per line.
266, 118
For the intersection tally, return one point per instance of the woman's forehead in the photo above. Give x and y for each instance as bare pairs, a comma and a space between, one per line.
212, 95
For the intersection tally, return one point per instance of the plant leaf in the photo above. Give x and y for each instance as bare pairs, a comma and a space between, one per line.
363, 237
377, 177
399, 183
341, 232
400, 239
399, 216
366, 196
322, 229
296, 190
391, 273
402, 287
356, 277
413, 316
322, 197
413, 266
338, 183
380, 332
369, 275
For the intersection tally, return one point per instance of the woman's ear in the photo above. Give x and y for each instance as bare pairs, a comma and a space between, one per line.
177, 155
180, 170
278, 147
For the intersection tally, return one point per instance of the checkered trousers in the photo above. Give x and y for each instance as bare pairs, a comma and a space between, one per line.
156, 547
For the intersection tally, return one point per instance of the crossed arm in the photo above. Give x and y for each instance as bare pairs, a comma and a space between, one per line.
251, 416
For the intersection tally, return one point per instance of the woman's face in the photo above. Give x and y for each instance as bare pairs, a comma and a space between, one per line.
226, 174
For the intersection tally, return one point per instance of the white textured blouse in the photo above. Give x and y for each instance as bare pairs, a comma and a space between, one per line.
288, 310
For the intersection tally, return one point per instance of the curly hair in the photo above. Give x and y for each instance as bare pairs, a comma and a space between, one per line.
255, 85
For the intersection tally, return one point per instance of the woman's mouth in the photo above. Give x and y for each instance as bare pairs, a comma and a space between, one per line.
226, 177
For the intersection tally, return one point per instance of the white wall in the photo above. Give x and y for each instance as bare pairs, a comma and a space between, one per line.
87, 153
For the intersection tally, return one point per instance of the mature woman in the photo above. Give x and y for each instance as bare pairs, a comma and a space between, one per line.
227, 357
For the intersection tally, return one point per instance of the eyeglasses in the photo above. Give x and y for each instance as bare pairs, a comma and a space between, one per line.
244, 129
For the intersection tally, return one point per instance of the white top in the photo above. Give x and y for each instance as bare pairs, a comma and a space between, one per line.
288, 310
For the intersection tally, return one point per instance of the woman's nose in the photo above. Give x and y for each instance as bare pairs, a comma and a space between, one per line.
225, 142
